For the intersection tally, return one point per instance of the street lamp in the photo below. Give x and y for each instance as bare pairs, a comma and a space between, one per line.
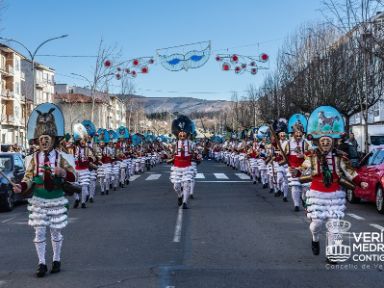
32, 58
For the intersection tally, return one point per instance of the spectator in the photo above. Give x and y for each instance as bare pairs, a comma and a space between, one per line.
352, 141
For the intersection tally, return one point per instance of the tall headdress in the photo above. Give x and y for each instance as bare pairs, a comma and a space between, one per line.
326, 121
182, 123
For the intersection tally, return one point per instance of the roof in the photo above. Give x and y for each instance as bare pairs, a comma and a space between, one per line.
80, 98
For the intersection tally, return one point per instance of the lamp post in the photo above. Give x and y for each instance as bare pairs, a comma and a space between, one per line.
32, 56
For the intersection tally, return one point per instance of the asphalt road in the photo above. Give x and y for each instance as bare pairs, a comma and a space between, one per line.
235, 235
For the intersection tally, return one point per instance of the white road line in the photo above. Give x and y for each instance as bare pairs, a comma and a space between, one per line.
21, 223
179, 224
377, 226
153, 177
243, 176
200, 176
220, 176
134, 177
2, 283
355, 216
223, 181
9, 219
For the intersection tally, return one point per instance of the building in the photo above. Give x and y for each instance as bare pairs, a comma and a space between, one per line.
44, 82
17, 90
76, 103
12, 99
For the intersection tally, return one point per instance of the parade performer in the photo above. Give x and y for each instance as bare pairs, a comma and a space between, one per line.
46, 171
82, 155
182, 171
93, 161
329, 170
295, 150
105, 155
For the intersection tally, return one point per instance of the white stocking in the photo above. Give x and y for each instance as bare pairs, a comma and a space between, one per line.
40, 243
57, 243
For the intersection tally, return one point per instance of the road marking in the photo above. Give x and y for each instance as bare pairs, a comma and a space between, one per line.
243, 176
2, 283
21, 223
355, 216
377, 226
153, 177
223, 181
220, 176
9, 219
179, 224
200, 176
134, 177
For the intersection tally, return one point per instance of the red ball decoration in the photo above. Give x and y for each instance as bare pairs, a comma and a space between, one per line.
127, 70
253, 71
151, 61
235, 58
134, 73
237, 69
226, 66
135, 62
144, 70
264, 57
218, 58
118, 76
107, 63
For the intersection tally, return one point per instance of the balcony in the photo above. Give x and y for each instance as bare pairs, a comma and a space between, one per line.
7, 94
6, 70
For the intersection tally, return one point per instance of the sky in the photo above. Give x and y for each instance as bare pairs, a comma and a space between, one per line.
139, 27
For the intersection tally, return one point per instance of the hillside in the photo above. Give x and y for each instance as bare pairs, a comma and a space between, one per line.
180, 104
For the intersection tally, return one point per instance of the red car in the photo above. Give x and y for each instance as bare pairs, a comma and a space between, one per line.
372, 172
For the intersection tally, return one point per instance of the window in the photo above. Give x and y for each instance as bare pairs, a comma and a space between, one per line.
19, 162
17, 88
17, 64
379, 158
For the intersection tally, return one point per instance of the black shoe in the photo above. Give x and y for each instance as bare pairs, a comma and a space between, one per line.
192, 197
55, 267
297, 209
41, 270
285, 199
185, 206
76, 204
102, 193
106, 192
315, 248
180, 200
254, 182
83, 205
127, 182
91, 200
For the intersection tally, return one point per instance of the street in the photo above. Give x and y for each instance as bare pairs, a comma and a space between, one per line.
235, 235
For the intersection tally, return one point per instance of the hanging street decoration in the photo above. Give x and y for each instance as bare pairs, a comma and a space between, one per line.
184, 57
131, 68
241, 63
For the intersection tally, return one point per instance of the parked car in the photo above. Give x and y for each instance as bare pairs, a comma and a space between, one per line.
12, 165
371, 171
